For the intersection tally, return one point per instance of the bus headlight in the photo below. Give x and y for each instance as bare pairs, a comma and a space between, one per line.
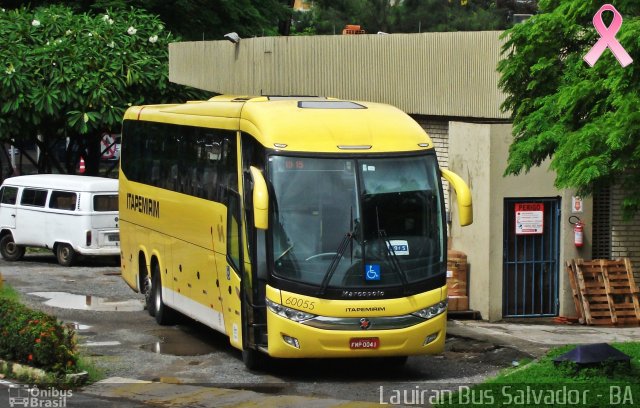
291, 314
432, 311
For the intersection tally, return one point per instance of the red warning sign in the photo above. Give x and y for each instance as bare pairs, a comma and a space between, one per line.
529, 218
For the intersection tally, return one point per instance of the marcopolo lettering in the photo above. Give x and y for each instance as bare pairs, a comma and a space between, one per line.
143, 205
362, 293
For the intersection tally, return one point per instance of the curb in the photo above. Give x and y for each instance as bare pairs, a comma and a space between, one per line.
165, 394
38, 375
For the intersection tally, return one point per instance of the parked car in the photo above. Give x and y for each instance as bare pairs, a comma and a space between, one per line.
71, 215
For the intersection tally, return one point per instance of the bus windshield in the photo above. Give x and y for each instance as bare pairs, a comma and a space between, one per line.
356, 223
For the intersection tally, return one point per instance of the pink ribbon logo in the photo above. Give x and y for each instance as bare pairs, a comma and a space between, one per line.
608, 38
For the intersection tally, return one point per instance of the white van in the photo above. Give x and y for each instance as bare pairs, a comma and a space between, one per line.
69, 214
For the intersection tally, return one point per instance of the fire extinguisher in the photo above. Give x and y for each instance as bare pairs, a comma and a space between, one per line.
578, 234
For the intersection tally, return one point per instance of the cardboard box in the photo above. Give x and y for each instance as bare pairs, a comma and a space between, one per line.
458, 303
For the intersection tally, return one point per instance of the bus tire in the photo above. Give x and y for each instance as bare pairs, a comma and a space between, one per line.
162, 312
147, 290
252, 359
65, 254
9, 250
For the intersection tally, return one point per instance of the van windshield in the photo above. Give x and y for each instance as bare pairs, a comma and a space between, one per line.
105, 202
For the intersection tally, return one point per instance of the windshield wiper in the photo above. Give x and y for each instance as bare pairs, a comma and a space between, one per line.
391, 253
335, 261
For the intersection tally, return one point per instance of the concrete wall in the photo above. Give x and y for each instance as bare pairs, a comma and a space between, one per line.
439, 74
478, 153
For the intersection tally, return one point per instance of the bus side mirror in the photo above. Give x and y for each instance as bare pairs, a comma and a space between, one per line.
463, 197
260, 200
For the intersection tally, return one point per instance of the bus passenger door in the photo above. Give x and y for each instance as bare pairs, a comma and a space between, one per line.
229, 272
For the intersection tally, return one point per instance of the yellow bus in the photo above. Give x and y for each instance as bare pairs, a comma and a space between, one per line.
297, 226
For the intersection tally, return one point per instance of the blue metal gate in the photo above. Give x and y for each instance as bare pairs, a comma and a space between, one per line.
531, 265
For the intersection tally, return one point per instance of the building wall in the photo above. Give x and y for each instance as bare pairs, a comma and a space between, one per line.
625, 234
438, 74
438, 131
469, 151
478, 153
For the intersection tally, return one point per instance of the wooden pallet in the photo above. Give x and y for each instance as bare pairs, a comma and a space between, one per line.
604, 291
577, 298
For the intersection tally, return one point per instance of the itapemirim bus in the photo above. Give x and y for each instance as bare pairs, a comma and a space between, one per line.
298, 227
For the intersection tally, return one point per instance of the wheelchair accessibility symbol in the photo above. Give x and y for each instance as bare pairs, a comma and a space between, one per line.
373, 272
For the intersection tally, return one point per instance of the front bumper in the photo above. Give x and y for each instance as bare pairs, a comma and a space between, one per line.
315, 342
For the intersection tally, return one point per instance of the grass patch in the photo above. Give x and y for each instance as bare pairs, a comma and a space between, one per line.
87, 364
7, 292
541, 383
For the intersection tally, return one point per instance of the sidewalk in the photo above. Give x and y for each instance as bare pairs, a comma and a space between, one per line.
185, 395
536, 339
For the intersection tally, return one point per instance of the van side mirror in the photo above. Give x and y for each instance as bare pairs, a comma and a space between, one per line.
260, 199
463, 197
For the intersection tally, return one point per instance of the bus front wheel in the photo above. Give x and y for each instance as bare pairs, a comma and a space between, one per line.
162, 312
252, 359
9, 250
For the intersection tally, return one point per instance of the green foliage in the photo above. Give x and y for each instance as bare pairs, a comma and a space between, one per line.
408, 16
94, 373
585, 118
590, 387
34, 338
65, 74
8, 292
192, 19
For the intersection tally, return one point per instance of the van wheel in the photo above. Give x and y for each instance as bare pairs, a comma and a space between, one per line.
65, 254
9, 250
163, 313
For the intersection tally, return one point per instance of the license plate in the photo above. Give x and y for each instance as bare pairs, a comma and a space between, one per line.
113, 237
364, 343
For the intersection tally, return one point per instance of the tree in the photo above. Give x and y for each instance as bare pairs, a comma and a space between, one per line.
68, 75
407, 16
586, 119
194, 19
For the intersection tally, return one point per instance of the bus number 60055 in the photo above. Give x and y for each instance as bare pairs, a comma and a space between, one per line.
297, 302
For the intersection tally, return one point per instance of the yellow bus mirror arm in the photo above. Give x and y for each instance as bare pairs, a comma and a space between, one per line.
260, 200
463, 197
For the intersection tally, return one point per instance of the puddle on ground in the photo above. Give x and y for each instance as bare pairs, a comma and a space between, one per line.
87, 302
177, 342
79, 326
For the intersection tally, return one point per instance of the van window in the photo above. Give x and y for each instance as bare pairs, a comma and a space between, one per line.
9, 195
63, 200
32, 197
105, 202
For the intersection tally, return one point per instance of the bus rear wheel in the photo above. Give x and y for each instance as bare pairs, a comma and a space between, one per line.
147, 290
65, 254
9, 250
164, 314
